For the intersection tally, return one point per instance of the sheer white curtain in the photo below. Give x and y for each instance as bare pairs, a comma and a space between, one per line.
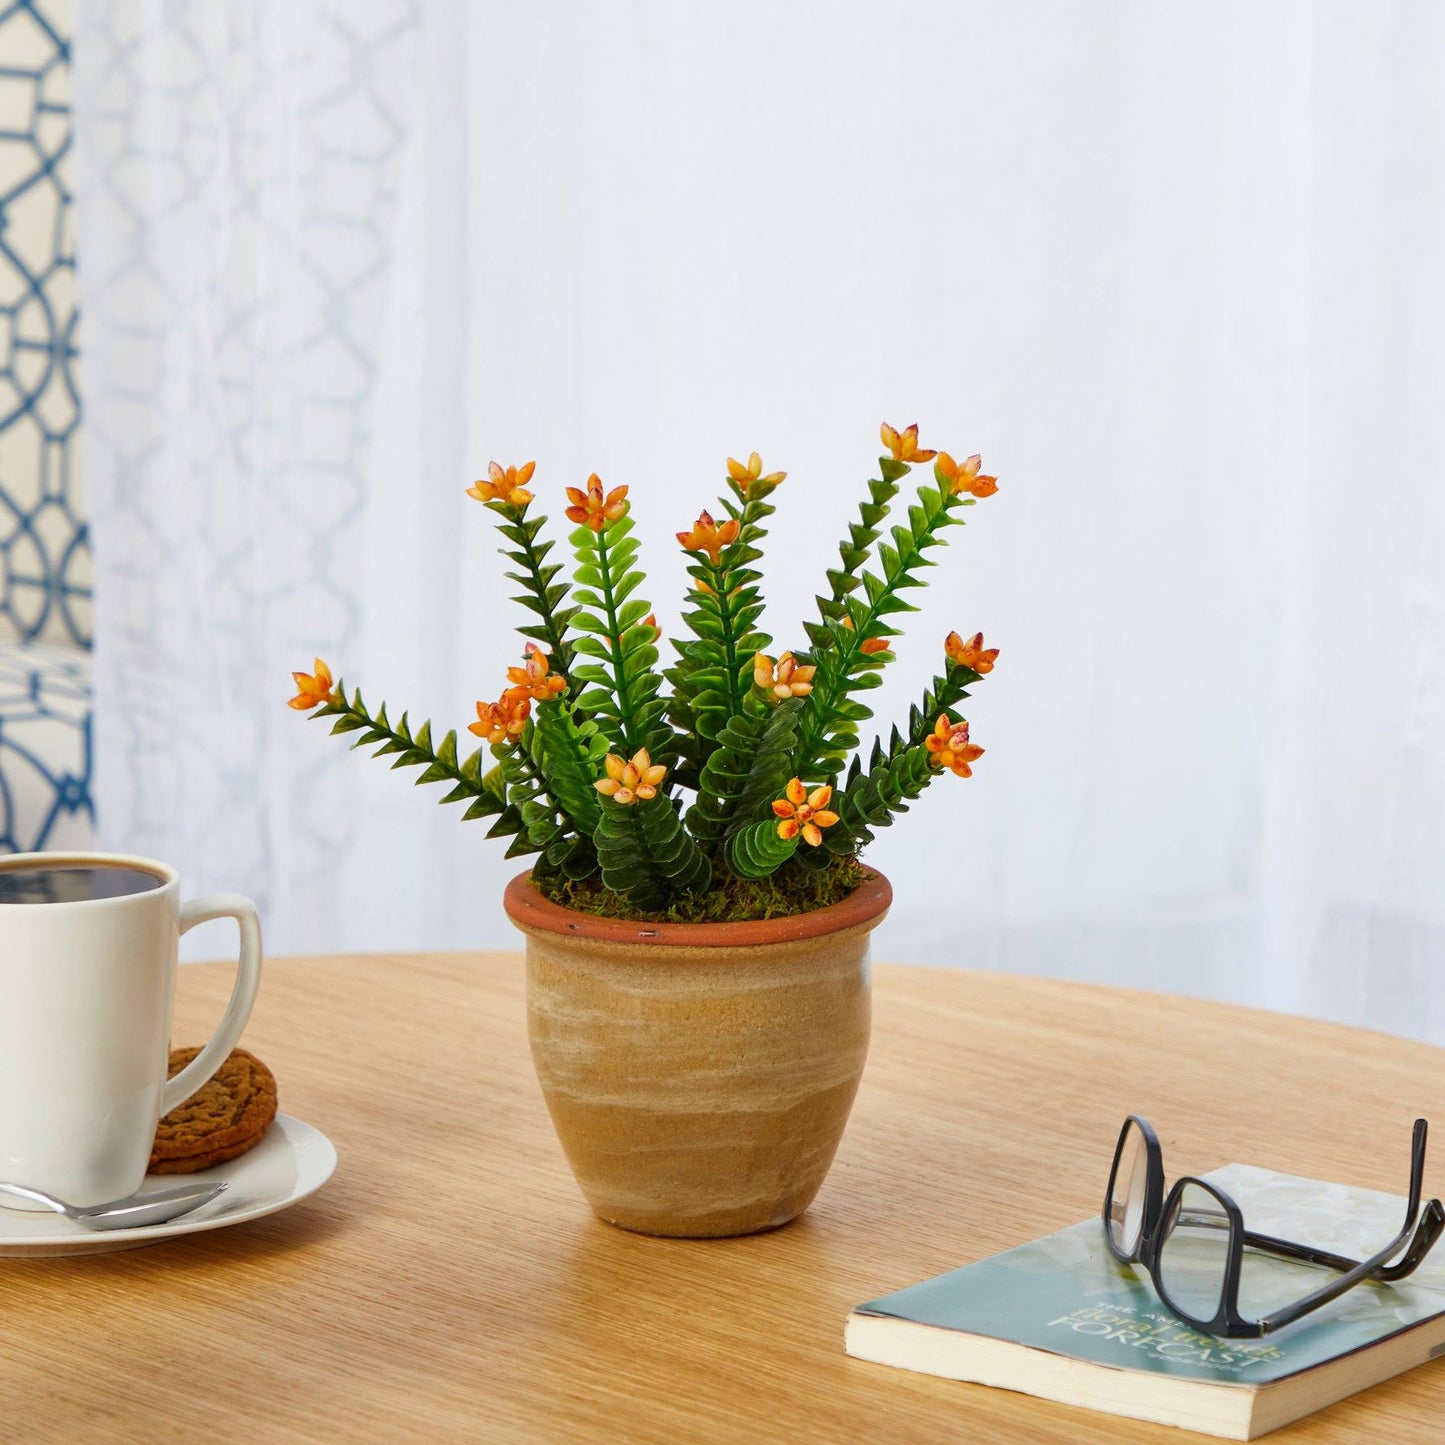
1173, 270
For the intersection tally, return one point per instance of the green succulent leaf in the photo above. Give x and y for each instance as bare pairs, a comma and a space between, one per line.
829, 731
756, 850
877, 797
854, 550
544, 772
747, 770
544, 595
646, 854
469, 784
568, 752
712, 678
898, 771
621, 681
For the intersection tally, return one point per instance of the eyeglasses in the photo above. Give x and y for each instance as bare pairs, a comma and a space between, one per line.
1193, 1242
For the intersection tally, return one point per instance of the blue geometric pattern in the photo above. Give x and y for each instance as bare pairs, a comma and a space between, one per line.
45, 690
45, 747
44, 545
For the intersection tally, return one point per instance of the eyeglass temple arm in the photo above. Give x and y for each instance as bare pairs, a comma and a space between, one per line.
1432, 1220
1432, 1225
1347, 1281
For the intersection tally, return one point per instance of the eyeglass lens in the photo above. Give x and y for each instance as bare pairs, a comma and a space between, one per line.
1126, 1197
1194, 1253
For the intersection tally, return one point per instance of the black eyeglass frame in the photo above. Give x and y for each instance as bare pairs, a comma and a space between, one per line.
1160, 1210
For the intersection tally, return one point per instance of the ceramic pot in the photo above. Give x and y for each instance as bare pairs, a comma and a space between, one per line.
699, 1075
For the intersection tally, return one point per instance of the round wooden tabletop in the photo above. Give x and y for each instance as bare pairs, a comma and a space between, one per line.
450, 1283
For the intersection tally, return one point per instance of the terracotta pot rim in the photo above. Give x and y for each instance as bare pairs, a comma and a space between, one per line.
866, 904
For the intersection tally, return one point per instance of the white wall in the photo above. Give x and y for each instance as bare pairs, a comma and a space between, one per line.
1174, 270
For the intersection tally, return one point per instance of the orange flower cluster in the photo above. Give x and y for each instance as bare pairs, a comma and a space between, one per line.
631, 782
707, 536
312, 691
505, 484
949, 746
752, 472
903, 446
591, 508
971, 653
964, 476
533, 679
805, 812
502, 721
785, 678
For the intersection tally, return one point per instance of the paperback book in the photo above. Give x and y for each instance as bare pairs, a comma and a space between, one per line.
1061, 1319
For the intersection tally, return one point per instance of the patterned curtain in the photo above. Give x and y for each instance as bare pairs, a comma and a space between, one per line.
241, 174
45, 711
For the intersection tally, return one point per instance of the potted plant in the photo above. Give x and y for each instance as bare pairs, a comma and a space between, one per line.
697, 914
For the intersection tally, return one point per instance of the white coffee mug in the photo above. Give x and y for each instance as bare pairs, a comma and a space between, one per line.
86, 991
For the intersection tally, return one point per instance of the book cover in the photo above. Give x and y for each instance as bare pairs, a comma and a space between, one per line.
1065, 1299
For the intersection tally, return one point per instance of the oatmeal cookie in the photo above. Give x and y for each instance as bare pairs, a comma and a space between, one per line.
223, 1119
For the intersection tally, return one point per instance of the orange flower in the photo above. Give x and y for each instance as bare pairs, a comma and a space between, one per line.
904, 445
963, 476
532, 680
507, 484
707, 536
784, 679
502, 721
972, 653
949, 746
651, 621
591, 508
630, 782
752, 472
312, 691
805, 812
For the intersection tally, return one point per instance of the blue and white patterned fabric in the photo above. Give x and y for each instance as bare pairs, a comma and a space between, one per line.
45, 747
45, 722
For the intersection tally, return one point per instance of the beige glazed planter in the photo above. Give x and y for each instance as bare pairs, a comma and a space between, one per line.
699, 1075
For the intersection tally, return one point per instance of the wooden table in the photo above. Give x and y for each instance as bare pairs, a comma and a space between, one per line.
450, 1283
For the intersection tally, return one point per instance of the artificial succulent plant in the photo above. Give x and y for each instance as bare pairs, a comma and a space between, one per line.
730, 781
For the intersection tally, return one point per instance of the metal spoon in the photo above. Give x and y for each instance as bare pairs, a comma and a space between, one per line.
133, 1212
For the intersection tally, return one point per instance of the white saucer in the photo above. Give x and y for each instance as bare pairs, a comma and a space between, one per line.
292, 1161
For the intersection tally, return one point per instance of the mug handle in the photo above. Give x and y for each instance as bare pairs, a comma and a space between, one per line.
243, 995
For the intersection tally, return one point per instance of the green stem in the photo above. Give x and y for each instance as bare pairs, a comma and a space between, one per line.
719, 579
553, 630
527, 769
631, 741
853, 552
834, 676
415, 750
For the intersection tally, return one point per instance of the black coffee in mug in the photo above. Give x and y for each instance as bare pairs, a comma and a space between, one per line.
74, 883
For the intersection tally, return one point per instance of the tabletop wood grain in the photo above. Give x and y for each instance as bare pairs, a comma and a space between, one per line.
450, 1283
